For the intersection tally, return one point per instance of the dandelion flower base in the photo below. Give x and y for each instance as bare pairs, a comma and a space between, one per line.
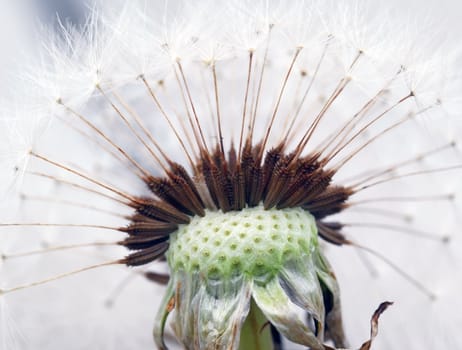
222, 260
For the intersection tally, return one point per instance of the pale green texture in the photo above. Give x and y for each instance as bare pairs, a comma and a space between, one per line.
254, 242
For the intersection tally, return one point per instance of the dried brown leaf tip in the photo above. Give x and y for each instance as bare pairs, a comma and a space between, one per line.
374, 327
375, 324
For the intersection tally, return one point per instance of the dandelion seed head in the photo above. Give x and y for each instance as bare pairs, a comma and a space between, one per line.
110, 115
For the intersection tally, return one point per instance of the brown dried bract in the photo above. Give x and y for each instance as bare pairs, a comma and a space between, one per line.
374, 327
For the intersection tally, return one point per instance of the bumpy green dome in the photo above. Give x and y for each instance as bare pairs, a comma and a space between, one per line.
253, 241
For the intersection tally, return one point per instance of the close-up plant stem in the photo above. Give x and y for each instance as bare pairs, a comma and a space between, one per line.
256, 331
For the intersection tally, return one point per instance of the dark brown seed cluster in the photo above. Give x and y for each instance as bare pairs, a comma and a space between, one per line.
228, 182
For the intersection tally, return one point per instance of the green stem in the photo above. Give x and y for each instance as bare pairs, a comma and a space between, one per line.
256, 333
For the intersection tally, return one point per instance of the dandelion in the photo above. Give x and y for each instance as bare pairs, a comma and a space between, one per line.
257, 159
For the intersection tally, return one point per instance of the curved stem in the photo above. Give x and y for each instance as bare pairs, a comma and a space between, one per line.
256, 333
